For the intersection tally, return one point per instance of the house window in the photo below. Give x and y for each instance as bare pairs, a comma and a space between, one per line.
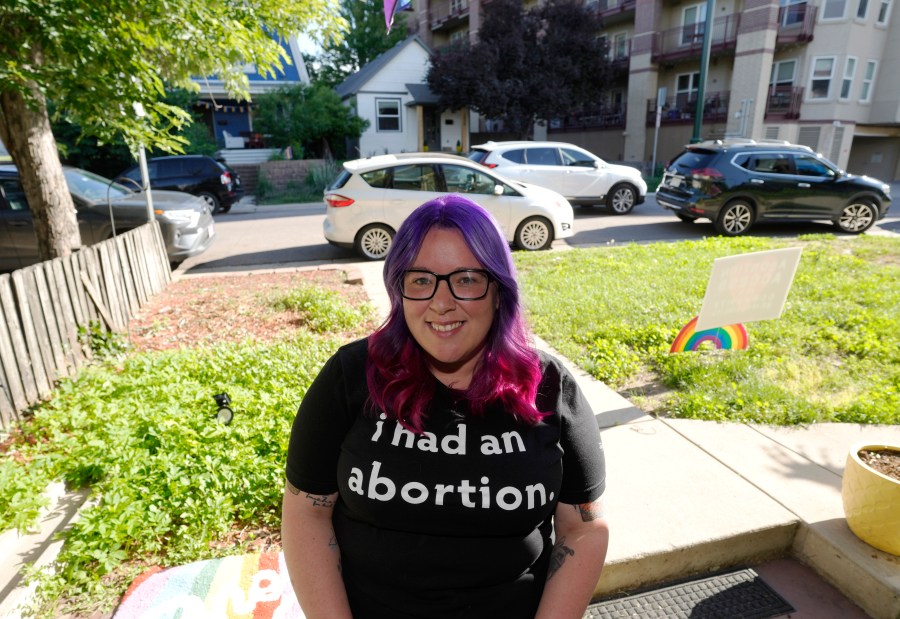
693, 22
387, 114
847, 82
620, 46
868, 81
884, 12
834, 9
862, 9
822, 74
794, 12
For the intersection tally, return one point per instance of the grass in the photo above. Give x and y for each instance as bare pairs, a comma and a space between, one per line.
170, 486
833, 355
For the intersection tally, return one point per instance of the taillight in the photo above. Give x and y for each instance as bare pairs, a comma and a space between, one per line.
337, 200
225, 178
707, 174
489, 165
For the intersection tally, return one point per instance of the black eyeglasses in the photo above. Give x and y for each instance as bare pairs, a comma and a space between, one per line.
465, 284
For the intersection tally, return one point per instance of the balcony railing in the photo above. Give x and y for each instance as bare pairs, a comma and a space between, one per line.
687, 41
448, 13
611, 10
682, 108
796, 23
784, 101
595, 117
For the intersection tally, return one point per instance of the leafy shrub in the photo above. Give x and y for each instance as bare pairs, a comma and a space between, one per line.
323, 310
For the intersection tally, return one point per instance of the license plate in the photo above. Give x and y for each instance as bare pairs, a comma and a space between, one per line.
674, 181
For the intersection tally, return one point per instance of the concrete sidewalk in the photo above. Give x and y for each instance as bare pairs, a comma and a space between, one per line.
694, 497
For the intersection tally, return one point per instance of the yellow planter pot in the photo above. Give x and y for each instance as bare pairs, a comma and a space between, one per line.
872, 501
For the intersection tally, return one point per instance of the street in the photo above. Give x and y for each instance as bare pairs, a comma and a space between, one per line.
274, 235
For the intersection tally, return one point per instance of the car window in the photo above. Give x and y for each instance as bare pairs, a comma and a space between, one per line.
92, 187
380, 179
692, 160
167, 168
460, 179
807, 165
196, 166
517, 155
14, 194
571, 157
542, 156
414, 177
477, 155
132, 173
771, 163
344, 176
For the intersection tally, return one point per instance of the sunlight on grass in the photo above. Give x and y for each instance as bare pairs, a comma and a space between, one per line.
834, 355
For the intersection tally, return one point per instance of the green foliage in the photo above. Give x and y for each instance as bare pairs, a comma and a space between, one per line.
321, 176
536, 64
834, 354
323, 310
365, 39
102, 343
311, 116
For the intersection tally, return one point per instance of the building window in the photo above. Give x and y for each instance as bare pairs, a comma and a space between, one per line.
868, 81
387, 114
862, 9
884, 12
620, 46
783, 74
822, 74
834, 9
794, 12
693, 21
847, 82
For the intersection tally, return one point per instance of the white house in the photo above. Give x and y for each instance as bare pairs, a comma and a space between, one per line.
404, 116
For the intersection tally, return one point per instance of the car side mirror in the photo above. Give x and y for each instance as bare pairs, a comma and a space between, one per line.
598, 164
498, 190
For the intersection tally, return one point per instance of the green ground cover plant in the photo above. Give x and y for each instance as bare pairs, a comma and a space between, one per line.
167, 482
834, 355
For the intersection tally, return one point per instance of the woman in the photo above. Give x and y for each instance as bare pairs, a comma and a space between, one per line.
431, 465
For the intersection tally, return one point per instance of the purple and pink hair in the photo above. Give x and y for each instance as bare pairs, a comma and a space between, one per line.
508, 374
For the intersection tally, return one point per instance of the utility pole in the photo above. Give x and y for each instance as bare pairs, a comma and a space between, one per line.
704, 69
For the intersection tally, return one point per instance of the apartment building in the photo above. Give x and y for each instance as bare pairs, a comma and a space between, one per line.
817, 72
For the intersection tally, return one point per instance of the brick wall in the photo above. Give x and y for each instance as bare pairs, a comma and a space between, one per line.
280, 173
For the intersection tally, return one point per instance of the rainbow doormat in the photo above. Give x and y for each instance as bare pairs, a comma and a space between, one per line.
244, 587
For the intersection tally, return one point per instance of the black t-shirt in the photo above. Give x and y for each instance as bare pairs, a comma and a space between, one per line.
455, 522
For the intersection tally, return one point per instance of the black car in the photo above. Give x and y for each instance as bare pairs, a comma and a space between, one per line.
214, 181
186, 224
737, 184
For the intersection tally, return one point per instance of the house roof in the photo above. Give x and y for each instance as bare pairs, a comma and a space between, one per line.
354, 82
421, 95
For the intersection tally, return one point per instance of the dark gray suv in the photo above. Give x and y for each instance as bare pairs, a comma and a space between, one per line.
214, 181
738, 184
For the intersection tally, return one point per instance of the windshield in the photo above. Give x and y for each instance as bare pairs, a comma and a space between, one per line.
93, 187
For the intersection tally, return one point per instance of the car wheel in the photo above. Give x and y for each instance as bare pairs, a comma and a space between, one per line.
374, 241
735, 218
685, 218
225, 209
857, 217
211, 200
534, 233
621, 199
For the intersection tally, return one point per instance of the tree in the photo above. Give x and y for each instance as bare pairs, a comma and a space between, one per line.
364, 41
310, 116
97, 60
526, 65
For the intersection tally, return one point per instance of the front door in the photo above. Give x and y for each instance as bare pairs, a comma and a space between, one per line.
431, 119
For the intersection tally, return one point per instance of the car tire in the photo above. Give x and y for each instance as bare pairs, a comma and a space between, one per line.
735, 218
685, 219
621, 199
225, 209
534, 234
374, 241
857, 217
210, 200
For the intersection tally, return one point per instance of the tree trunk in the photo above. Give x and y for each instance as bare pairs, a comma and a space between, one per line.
25, 129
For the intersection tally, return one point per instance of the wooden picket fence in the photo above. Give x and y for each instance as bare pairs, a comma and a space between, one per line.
47, 311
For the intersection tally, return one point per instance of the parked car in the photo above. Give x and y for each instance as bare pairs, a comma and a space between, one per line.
185, 221
214, 181
582, 178
735, 184
371, 197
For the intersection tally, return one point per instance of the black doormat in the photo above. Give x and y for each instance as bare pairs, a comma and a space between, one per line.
735, 595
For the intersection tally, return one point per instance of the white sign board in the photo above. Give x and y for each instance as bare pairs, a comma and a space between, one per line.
748, 287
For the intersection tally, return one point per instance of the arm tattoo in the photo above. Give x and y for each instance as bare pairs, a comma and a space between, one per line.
590, 511
320, 500
558, 556
333, 545
293, 489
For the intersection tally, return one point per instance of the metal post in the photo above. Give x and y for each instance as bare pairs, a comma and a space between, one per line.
704, 69
145, 182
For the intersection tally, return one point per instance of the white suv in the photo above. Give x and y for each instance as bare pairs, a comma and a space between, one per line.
578, 175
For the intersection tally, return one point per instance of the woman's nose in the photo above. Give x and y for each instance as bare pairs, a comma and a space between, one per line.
443, 299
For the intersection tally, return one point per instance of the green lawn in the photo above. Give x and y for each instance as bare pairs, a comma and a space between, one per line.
833, 355
168, 482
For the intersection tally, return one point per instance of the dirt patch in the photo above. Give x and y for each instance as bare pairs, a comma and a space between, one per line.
885, 461
208, 310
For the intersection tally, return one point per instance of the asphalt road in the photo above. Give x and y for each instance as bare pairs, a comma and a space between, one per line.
277, 235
